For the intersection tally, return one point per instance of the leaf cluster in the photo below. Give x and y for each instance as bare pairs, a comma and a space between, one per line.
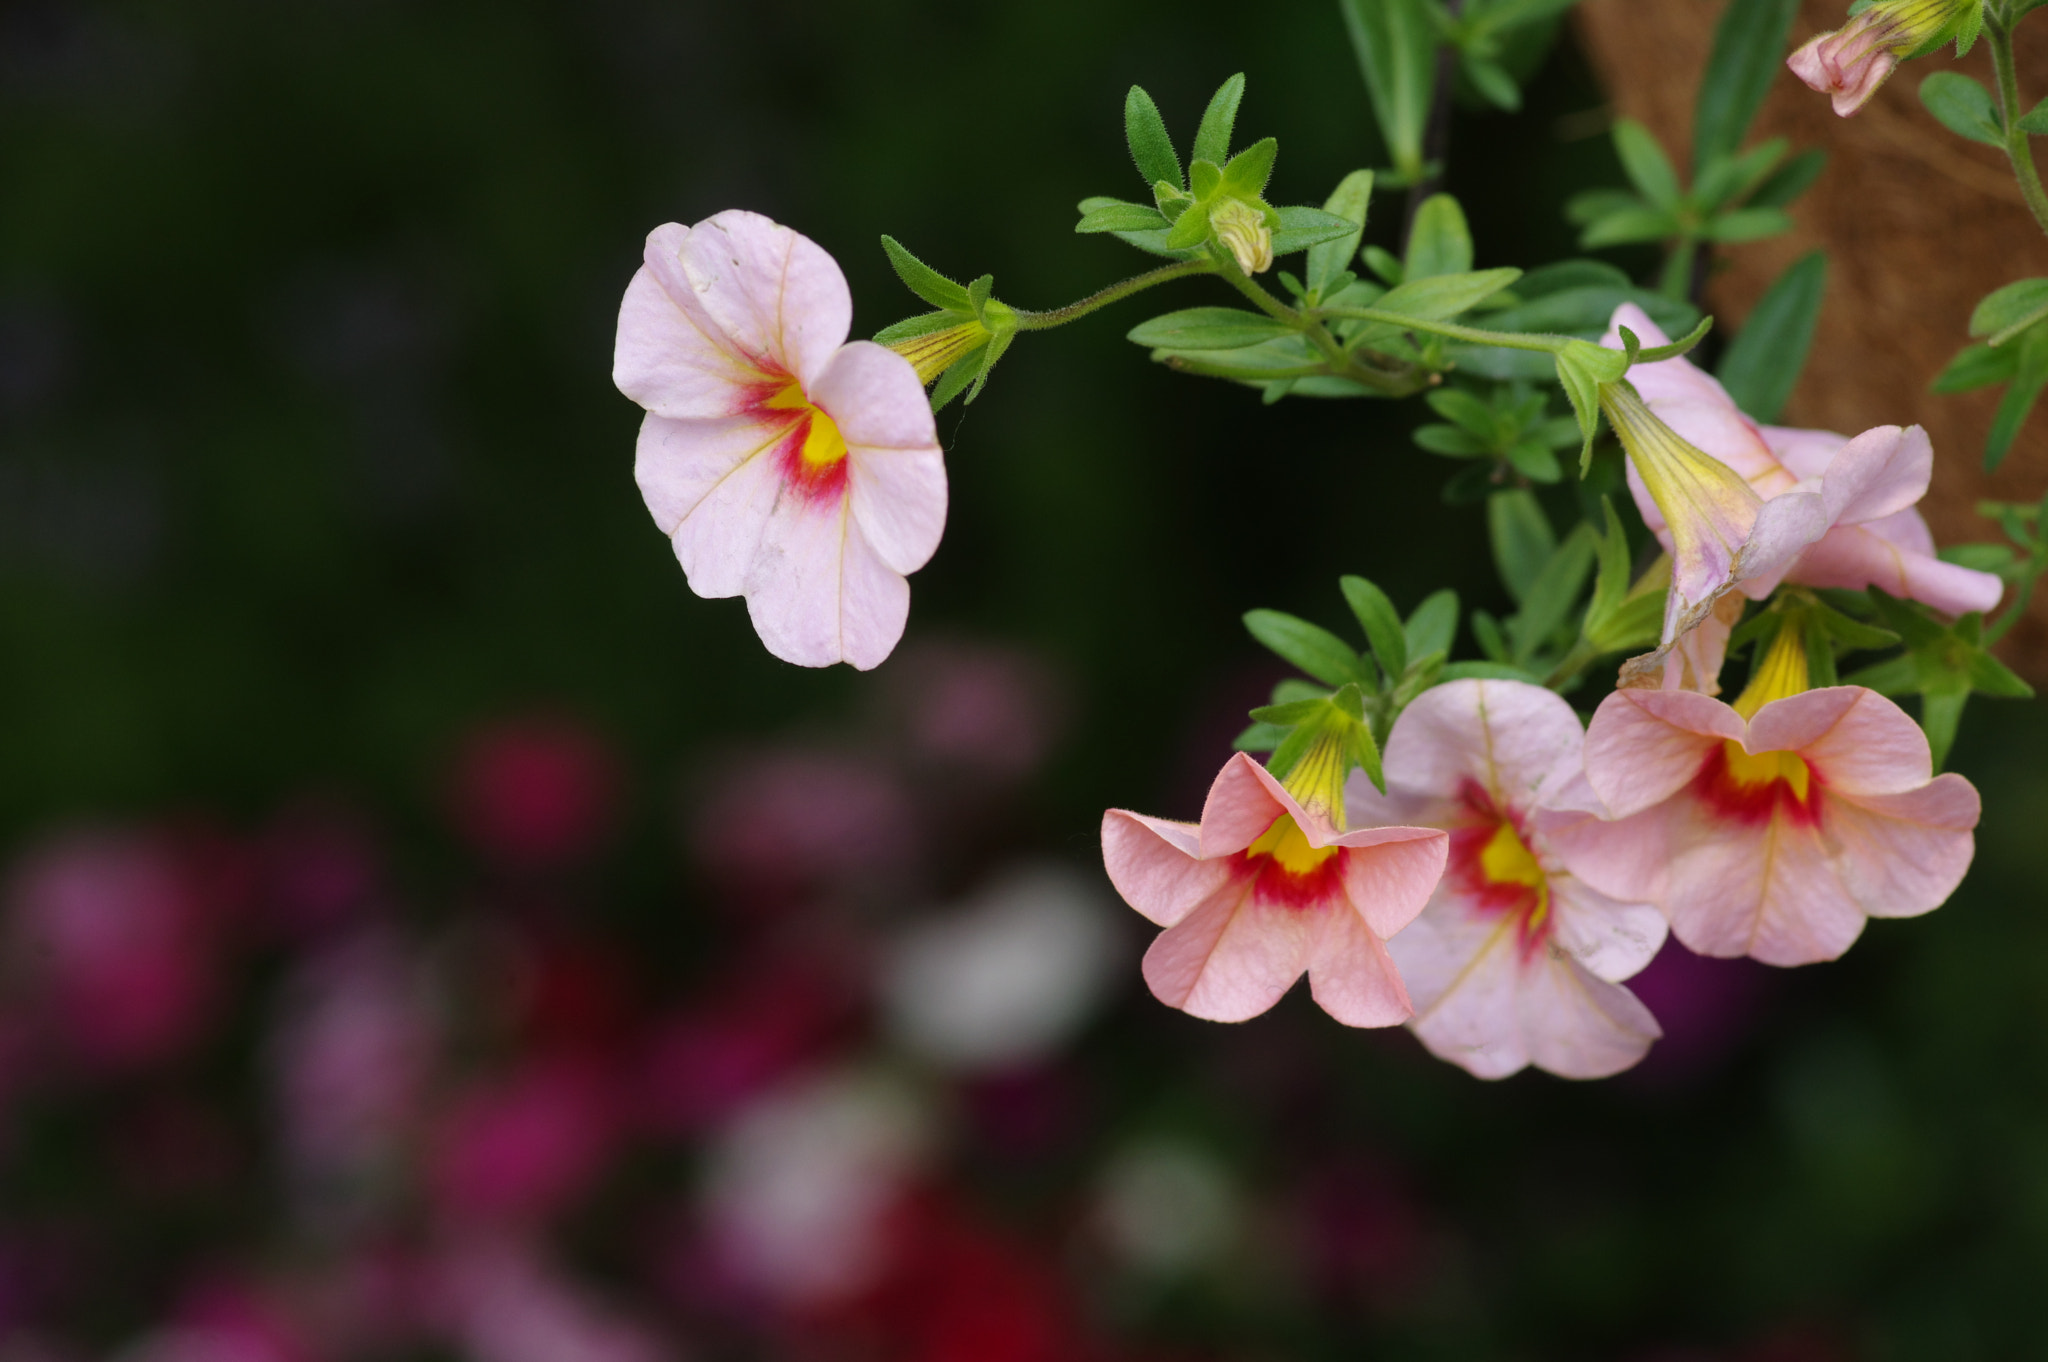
2013, 322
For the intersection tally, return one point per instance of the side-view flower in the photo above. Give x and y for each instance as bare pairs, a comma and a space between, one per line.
784, 464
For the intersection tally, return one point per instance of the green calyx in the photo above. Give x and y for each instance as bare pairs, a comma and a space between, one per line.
958, 344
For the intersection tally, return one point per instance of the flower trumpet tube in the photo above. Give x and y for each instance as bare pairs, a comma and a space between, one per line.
786, 465
1776, 826
1851, 62
1271, 884
1516, 960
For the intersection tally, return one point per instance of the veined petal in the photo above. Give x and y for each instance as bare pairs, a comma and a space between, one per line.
1156, 865
1389, 873
678, 463
1517, 741
1879, 473
1858, 741
1352, 977
1628, 859
1643, 746
1858, 556
818, 594
1243, 801
1766, 890
1805, 453
1613, 939
1462, 971
669, 356
778, 297
1233, 956
898, 477
1903, 854
719, 537
1578, 1025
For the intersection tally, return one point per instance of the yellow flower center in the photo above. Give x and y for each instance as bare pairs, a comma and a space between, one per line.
1751, 770
1782, 671
1506, 859
823, 445
1288, 846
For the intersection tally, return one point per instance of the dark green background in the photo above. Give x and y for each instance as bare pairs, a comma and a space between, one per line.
309, 460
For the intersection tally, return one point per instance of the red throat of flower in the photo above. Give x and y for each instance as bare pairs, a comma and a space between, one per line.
1496, 870
809, 451
1753, 788
1290, 872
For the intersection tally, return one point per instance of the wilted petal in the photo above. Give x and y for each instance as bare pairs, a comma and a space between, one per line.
898, 478
1156, 865
778, 297
1234, 956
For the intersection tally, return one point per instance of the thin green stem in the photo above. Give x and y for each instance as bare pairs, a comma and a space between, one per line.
1998, 35
1510, 340
1339, 360
1060, 316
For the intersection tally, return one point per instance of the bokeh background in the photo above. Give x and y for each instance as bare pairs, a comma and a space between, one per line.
432, 933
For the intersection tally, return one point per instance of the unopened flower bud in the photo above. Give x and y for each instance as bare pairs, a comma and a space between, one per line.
1243, 229
1853, 61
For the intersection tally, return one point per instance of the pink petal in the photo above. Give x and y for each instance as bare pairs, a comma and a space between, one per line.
818, 594
1518, 742
1243, 801
1903, 854
1233, 956
1879, 473
1644, 745
680, 462
1156, 865
1857, 742
1805, 453
670, 357
1351, 975
1766, 891
1723, 431
1857, 556
1786, 525
1577, 1025
1389, 873
1627, 859
718, 539
1462, 971
898, 476
1613, 939
777, 296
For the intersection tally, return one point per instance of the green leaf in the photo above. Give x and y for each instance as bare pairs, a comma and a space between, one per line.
1351, 200
1977, 366
1381, 622
1748, 224
1749, 48
1550, 595
1534, 461
1790, 180
1452, 442
963, 371
1248, 171
926, 282
1588, 206
1212, 138
1145, 133
1439, 242
1302, 228
2029, 376
1462, 408
1434, 625
1998, 558
1261, 738
1963, 107
1489, 671
1208, 328
1493, 83
1396, 48
2034, 122
1444, 296
1729, 178
1192, 229
1384, 263
1629, 226
1646, 165
1310, 647
1122, 217
1760, 368
1522, 539
1941, 715
2008, 311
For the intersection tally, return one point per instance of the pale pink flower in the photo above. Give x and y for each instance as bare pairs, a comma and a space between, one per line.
786, 465
1263, 889
1867, 487
503, 1302
1515, 960
1776, 826
1853, 61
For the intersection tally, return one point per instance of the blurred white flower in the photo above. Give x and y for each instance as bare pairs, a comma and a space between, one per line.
1008, 976
506, 1305
800, 1185
1165, 1207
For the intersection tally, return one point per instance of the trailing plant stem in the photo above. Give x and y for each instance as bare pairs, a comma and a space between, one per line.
1998, 35
1060, 316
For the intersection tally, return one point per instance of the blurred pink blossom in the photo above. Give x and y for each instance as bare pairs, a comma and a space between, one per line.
320, 865
993, 711
787, 820
522, 1147
502, 1302
535, 793
113, 939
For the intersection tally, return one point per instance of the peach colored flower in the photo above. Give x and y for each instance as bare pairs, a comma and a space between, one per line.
1773, 827
1515, 960
1851, 62
786, 465
1868, 487
1263, 889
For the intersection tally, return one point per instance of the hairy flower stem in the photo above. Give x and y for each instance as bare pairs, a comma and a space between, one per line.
1998, 35
1339, 361
1094, 302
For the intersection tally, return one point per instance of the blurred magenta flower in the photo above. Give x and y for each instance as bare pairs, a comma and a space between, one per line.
1774, 827
319, 865
500, 1300
989, 710
786, 465
534, 793
117, 944
1515, 961
787, 821
1262, 890
522, 1147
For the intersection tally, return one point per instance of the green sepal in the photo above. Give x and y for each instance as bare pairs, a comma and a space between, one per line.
1205, 179
926, 282
912, 327
1122, 217
1246, 174
961, 372
1657, 353
1191, 229
1212, 137
1581, 368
